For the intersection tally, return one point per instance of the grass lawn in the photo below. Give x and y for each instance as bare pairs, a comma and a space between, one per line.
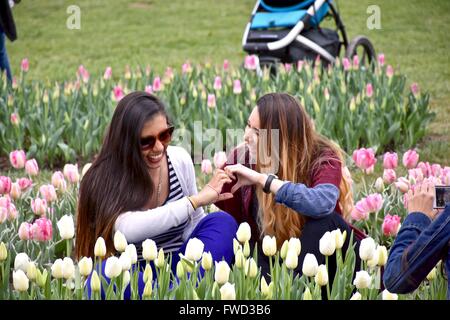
116, 33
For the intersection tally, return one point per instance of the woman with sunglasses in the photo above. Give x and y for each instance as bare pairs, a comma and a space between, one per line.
146, 189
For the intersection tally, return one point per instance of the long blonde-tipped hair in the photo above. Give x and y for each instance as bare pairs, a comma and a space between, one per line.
299, 152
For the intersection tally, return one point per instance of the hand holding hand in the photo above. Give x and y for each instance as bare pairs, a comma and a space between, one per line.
245, 176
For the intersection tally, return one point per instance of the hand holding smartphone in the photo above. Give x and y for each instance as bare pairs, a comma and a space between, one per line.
442, 197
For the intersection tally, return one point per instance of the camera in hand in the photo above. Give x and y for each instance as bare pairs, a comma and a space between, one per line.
442, 196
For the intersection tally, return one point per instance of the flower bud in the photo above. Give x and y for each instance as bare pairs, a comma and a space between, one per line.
31, 271
21, 262
180, 270
327, 244
194, 249
66, 227
148, 273
222, 272
236, 245
294, 243
379, 185
100, 247
239, 259
291, 260
269, 246
251, 269
356, 296
20, 281
3, 252
160, 259
307, 294
131, 250
310, 265
58, 269
120, 242
386, 295
227, 292
284, 249
85, 266
149, 250
246, 249
362, 280
207, 260
68, 268
367, 249
125, 261
321, 277
95, 282
148, 290
243, 233
264, 287
113, 267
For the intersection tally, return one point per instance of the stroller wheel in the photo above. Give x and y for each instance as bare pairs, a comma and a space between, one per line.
362, 47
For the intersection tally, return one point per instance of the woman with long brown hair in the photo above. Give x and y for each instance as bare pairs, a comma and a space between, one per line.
292, 182
146, 189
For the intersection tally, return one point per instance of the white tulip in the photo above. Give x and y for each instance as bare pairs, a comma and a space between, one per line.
264, 287
367, 249
294, 243
149, 250
95, 282
66, 227
85, 266
207, 260
120, 242
131, 250
20, 281
379, 185
113, 268
269, 246
126, 278
147, 290
160, 259
239, 259
432, 274
382, 255
148, 273
180, 270
327, 244
307, 294
339, 237
246, 249
244, 232
222, 272
310, 265
386, 295
21, 262
356, 296
100, 247
58, 269
291, 259
284, 249
194, 249
251, 269
362, 280
125, 261
322, 276
68, 268
227, 292
236, 245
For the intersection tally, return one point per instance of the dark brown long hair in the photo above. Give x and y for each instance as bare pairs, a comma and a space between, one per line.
118, 180
301, 151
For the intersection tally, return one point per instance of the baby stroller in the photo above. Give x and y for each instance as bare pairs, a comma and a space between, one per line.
287, 31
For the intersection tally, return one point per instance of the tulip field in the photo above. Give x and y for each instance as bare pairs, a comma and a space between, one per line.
50, 132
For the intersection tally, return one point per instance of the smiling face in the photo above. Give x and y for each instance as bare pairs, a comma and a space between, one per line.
252, 132
153, 156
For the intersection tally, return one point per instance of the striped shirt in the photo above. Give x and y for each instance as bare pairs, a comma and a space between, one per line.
171, 240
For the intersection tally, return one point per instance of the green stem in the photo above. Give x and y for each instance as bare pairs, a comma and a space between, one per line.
328, 283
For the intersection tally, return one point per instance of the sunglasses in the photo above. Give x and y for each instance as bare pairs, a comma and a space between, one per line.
164, 137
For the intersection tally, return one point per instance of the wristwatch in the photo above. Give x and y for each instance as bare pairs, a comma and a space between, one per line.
269, 180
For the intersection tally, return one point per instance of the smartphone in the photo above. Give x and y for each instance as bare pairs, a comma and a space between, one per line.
442, 196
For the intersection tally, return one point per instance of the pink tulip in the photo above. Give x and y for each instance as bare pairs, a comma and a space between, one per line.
287, 67
402, 184
389, 176
300, 64
118, 93
12, 212
206, 166
364, 158
360, 211
390, 160
217, 83
381, 59
237, 89
370, 169
169, 73
39, 206
149, 89
14, 119
369, 90
71, 173
391, 225
355, 61
410, 159
436, 170
186, 68
389, 71
415, 89
425, 167
108, 73
211, 100
15, 192
326, 94
5, 185
58, 181
48, 192
3, 214
220, 158
42, 229
157, 86
83, 73
374, 202
346, 64
26, 231
31, 167
226, 65
5, 202
416, 174
17, 159
25, 65
250, 62
24, 183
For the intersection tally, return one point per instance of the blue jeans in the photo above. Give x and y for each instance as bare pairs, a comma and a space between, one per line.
216, 231
4, 62
419, 245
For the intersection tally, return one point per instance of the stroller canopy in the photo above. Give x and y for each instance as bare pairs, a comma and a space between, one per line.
285, 5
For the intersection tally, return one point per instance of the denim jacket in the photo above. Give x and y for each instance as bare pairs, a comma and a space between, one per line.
419, 245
